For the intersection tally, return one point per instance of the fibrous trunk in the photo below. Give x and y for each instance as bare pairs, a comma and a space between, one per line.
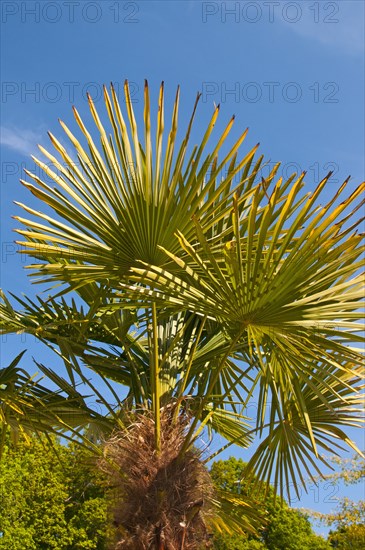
161, 499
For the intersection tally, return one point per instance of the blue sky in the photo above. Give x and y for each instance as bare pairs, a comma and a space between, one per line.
291, 71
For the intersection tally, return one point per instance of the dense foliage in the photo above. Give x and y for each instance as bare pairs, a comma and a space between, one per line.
286, 528
51, 498
56, 498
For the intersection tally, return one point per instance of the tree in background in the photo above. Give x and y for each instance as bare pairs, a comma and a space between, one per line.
349, 517
191, 285
52, 497
286, 528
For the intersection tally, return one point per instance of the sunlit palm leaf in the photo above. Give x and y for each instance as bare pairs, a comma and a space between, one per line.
304, 415
118, 205
236, 514
302, 295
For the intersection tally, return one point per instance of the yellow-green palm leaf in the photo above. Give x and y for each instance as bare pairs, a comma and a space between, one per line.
123, 198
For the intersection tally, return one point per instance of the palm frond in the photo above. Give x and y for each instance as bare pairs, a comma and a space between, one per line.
236, 513
306, 415
27, 406
118, 204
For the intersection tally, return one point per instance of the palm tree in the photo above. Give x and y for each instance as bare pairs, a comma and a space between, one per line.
201, 288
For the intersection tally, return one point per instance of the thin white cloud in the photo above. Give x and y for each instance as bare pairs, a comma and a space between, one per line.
20, 140
337, 25
25, 142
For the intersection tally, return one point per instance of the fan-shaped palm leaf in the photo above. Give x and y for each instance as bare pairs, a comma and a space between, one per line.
119, 204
